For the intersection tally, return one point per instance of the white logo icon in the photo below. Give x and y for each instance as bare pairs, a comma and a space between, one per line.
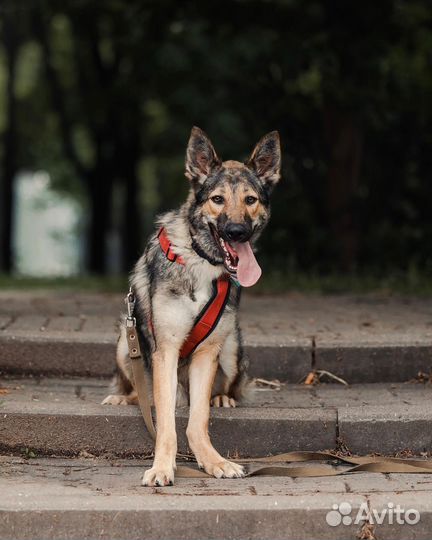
339, 514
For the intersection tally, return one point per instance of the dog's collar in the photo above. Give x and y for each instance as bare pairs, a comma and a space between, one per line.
165, 244
201, 253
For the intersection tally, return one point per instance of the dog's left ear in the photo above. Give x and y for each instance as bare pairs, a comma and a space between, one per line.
265, 159
201, 157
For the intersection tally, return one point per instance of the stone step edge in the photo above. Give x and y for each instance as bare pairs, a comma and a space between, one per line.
208, 517
290, 362
62, 429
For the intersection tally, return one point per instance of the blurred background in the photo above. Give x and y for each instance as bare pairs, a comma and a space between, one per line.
97, 100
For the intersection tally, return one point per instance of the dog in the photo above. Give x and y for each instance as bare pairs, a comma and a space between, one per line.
205, 244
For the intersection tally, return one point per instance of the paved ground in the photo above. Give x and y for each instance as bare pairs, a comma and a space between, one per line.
361, 339
88, 498
57, 350
369, 318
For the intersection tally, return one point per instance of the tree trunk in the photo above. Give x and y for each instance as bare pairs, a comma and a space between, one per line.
344, 139
132, 226
100, 194
9, 152
131, 233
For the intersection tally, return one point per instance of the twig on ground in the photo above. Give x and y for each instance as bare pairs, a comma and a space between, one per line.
322, 372
275, 383
314, 377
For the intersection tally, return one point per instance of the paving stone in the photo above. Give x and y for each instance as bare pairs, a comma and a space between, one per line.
5, 320
67, 323
57, 355
26, 323
386, 428
387, 483
360, 395
358, 361
100, 324
289, 362
417, 501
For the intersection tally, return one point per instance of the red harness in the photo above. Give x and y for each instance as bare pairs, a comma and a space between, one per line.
211, 313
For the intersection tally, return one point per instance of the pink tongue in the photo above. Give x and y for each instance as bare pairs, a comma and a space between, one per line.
248, 270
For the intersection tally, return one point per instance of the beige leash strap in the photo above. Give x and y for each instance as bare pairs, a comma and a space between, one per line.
141, 376
361, 464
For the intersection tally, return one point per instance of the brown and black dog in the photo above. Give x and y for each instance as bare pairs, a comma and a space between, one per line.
209, 238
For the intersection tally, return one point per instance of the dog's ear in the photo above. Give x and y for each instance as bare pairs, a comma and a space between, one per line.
265, 159
201, 157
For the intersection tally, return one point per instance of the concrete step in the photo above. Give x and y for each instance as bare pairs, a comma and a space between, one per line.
290, 360
361, 339
102, 499
64, 417
93, 354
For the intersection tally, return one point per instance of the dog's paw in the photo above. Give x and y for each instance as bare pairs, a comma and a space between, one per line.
157, 476
223, 469
223, 401
115, 399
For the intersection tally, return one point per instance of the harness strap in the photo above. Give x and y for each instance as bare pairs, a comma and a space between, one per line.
209, 317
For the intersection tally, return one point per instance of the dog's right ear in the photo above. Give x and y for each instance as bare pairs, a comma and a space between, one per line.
201, 157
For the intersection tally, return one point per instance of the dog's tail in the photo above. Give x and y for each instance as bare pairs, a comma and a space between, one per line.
243, 388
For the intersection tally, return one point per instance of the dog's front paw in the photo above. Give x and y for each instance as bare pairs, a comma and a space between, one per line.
120, 399
223, 401
223, 469
158, 476
115, 399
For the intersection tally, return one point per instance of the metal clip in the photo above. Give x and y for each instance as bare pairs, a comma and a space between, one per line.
130, 322
130, 303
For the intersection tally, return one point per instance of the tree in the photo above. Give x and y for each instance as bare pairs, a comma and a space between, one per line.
9, 166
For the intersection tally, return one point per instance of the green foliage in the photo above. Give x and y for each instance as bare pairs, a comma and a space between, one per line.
348, 85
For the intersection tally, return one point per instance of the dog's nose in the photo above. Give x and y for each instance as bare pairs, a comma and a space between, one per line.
236, 232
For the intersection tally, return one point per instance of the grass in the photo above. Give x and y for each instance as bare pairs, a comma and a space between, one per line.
396, 282
79, 283
410, 282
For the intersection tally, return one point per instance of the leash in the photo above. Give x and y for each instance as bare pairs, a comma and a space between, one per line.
272, 464
140, 374
361, 464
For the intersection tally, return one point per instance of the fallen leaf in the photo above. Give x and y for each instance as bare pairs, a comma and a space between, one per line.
311, 378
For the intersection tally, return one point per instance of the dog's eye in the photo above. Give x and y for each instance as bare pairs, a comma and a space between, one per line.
218, 199
250, 200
